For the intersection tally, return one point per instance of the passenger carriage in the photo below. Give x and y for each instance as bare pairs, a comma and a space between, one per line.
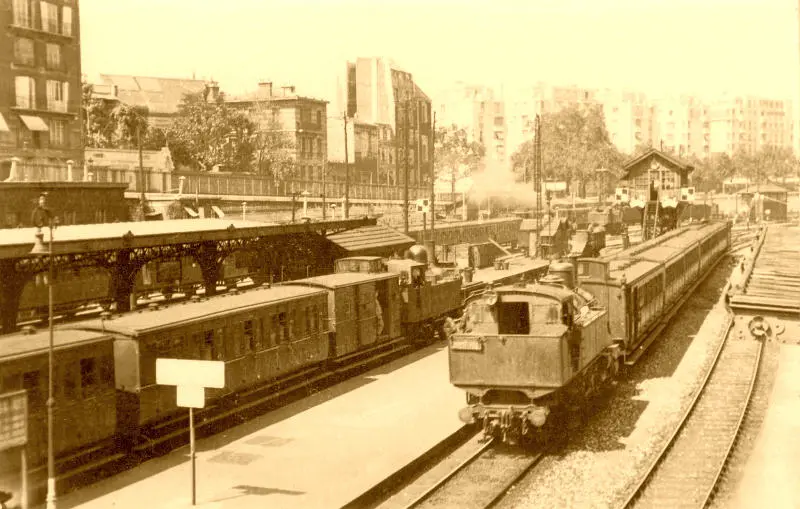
83, 390
261, 335
364, 309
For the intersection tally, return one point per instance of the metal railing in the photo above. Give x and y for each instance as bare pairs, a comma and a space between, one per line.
216, 184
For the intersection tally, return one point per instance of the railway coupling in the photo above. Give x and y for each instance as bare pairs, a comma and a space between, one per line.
508, 423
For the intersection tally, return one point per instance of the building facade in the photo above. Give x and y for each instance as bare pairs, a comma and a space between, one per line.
40, 83
392, 121
482, 113
303, 121
682, 125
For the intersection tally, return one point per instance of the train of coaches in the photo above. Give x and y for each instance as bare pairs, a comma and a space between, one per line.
104, 378
531, 357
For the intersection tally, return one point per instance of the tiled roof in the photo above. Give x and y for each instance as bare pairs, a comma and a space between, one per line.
159, 95
674, 161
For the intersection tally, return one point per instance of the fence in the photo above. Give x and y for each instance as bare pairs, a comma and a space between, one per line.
216, 184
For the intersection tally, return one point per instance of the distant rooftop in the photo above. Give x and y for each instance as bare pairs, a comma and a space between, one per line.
159, 95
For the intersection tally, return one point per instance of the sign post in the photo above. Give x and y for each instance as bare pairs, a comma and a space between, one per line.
423, 205
191, 378
14, 433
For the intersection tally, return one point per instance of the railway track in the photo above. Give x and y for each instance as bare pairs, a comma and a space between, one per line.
688, 468
479, 481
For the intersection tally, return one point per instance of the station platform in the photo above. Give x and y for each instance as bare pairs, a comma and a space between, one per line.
770, 476
320, 452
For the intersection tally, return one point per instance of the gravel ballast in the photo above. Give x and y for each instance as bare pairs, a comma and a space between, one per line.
605, 459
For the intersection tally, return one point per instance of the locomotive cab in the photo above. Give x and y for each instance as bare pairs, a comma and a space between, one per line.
516, 348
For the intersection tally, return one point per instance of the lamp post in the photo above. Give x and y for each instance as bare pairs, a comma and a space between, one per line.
42, 212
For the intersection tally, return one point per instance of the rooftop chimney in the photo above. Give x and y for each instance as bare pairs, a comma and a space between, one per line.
212, 91
265, 89
288, 90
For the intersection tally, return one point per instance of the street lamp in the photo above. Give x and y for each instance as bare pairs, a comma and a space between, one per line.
39, 214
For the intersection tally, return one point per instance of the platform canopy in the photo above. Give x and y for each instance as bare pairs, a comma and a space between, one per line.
86, 238
371, 240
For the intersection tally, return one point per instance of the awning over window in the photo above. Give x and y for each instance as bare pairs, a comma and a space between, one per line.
191, 212
34, 123
218, 211
3, 124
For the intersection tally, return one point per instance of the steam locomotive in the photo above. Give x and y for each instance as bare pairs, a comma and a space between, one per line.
530, 357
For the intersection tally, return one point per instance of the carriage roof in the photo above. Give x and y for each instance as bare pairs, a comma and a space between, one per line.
341, 279
147, 320
22, 344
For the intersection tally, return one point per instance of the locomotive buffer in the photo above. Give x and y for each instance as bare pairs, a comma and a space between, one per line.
191, 377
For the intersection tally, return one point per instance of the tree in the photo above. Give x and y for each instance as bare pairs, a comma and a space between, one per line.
206, 134
274, 148
575, 143
455, 156
112, 124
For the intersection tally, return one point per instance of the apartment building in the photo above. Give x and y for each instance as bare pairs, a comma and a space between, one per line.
391, 120
482, 113
40, 58
749, 124
680, 126
303, 120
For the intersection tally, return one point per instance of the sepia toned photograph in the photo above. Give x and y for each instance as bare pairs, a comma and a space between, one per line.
399, 254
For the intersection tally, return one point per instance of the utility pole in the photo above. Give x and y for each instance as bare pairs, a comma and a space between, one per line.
142, 198
537, 177
346, 172
405, 168
433, 174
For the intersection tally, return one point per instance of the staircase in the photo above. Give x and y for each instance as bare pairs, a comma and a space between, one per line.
650, 220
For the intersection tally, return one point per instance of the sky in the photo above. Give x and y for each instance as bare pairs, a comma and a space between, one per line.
705, 47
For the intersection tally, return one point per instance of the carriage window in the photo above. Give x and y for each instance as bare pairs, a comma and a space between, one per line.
31, 382
308, 319
88, 375
292, 322
70, 382
208, 351
196, 349
282, 331
273, 332
249, 335
314, 317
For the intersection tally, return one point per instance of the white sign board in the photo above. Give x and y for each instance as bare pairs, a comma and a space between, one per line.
190, 372
190, 396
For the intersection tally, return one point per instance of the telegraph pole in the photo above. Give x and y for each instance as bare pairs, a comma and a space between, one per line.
537, 177
433, 174
347, 173
405, 168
